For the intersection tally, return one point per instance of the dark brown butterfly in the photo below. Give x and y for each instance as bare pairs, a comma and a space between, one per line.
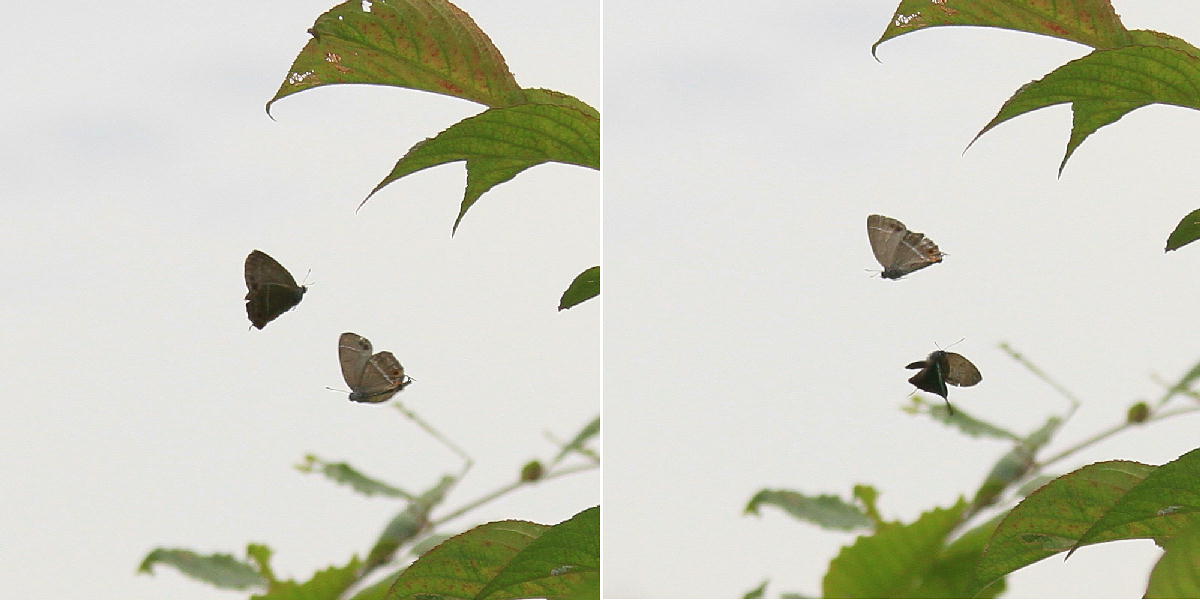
371, 377
899, 250
272, 290
940, 368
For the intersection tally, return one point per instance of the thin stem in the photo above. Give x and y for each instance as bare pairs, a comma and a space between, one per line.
467, 462
1111, 431
1017, 356
506, 488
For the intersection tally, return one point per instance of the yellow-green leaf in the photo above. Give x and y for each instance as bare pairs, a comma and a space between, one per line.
585, 287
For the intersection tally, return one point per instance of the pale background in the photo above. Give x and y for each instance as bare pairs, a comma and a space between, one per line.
745, 345
139, 170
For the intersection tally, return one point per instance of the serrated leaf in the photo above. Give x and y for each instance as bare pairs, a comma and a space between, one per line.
327, 584
345, 474
1106, 85
1177, 573
428, 45
1165, 502
490, 559
894, 561
218, 570
411, 522
1015, 463
563, 561
1053, 518
585, 287
499, 143
1186, 232
967, 424
577, 443
1090, 22
827, 511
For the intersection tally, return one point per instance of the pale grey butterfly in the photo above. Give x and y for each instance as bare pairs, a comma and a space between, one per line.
899, 250
371, 377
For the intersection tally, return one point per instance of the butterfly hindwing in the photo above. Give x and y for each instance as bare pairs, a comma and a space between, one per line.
940, 368
271, 290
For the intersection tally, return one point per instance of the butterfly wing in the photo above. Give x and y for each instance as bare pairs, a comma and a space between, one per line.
898, 250
353, 353
381, 379
932, 374
960, 372
271, 290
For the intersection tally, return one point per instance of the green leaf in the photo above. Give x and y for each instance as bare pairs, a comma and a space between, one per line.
964, 422
1015, 464
1055, 516
428, 45
344, 474
1090, 22
260, 555
1167, 501
564, 559
219, 570
499, 143
894, 561
328, 584
1186, 232
1177, 574
953, 575
585, 287
757, 592
510, 559
578, 442
428, 543
827, 511
867, 496
1105, 85
412, 521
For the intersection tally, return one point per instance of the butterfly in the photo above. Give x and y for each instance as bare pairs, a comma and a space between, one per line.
899, 250
940, 368
272, 290
371, 377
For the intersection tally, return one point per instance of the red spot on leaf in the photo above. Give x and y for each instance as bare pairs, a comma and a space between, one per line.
450, 87
1056, 28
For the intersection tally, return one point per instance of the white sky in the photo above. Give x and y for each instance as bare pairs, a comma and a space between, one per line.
745, 346
141, 168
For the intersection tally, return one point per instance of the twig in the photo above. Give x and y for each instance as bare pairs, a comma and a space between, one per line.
504, 489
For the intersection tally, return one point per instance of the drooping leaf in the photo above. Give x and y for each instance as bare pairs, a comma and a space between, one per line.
585, 287
1015, 464
965, 423
428, 45
578, 442
1186, 232
1106, 85
328, 584
1177, 574
411, 521
218, 570
1090, 22
895, 560
345, 474
1165, 502
1053, 518
827, 511
491, 561
499, 143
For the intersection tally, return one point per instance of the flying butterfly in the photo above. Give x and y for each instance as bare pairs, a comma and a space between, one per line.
272, 290
371, 377
899, 250
940, 368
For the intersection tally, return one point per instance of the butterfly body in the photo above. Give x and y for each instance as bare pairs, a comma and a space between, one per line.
271, 290
940, 368
372, 378
898, 250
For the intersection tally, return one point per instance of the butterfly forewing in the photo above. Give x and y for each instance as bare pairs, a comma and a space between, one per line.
960, 372
271, 290
898, 250
353, 353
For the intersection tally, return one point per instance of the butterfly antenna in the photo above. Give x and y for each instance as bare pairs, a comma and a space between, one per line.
336, 390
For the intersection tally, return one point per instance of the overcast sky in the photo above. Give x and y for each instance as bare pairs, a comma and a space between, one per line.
747, 347
141, 168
